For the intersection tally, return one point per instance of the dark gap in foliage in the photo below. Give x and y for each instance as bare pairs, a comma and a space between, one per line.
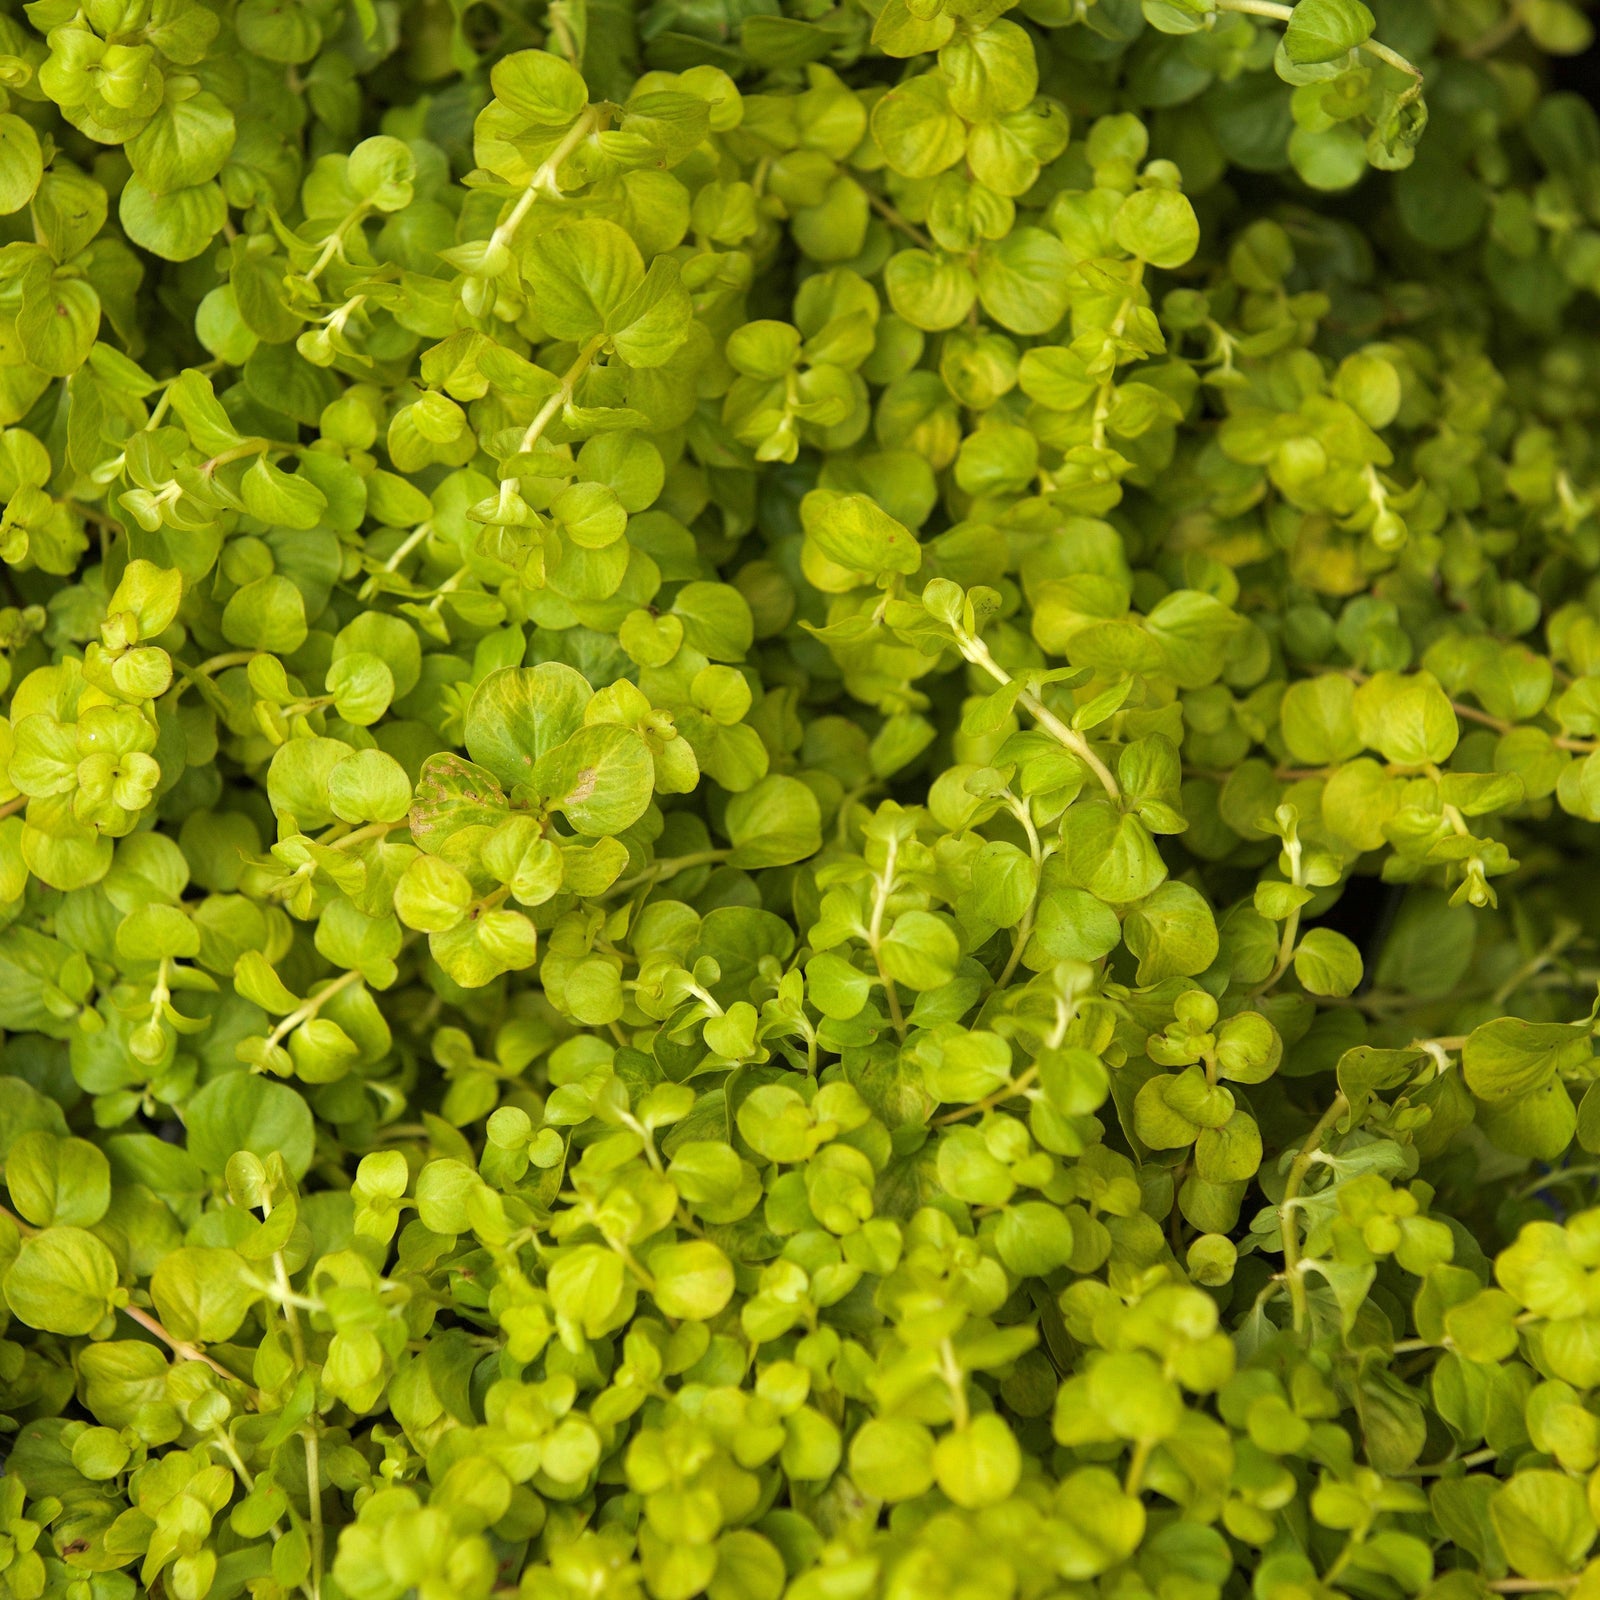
1578, 74
1364, 913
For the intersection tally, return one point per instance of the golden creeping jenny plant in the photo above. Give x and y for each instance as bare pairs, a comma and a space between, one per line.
798, 800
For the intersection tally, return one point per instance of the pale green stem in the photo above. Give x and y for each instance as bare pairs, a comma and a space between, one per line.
1289, 1223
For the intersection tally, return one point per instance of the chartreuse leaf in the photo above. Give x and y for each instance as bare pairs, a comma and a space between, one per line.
243, 1111
600, 779
519, 714
57, 1181
792, 806
1509, 1059
202, 1293
852, 531
773, 823
62, 1281
1323, 30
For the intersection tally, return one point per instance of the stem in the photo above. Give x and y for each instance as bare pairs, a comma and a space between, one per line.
1558, 1175
1503, 32
563, 34
880, 901
161, 407
1393, 58
895, 220
669, 867
312, 1006
1288, 1223
238, 452
235, 1460
1275, 12
11, 807
1341, 1561
1533, 1585
1476, 1459
370, 830
977, 652
896, 1015
635, 1126
1024, 814
333, 245
231, 658
1291, 924
631, 1262
544, 180
1291, 931
98, 518
314, 1498
1483, 718
403, 1130
183, 1350
1006, 1092
1134, 1482
955, 1382
297, 1343
1175, 1218
219, 1437
1108, 388
562, 394
407, 545
1024, 929
1535, 964
200, 677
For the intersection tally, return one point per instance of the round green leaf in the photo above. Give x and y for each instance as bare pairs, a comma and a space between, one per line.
244, 1111
62, 1281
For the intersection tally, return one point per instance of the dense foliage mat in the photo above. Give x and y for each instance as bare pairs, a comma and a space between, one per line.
798, 801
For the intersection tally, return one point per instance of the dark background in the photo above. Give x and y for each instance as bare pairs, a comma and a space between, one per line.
1580, 74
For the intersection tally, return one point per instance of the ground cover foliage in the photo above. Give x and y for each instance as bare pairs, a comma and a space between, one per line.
798, 800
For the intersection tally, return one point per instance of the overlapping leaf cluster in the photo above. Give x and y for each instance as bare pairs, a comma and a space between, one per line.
708, 716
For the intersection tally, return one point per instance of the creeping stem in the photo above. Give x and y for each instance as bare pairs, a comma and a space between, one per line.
977, 652
562, 394
1289, 1222
311, 1007
882, 889
181, 1348
544, 180
1275, 12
